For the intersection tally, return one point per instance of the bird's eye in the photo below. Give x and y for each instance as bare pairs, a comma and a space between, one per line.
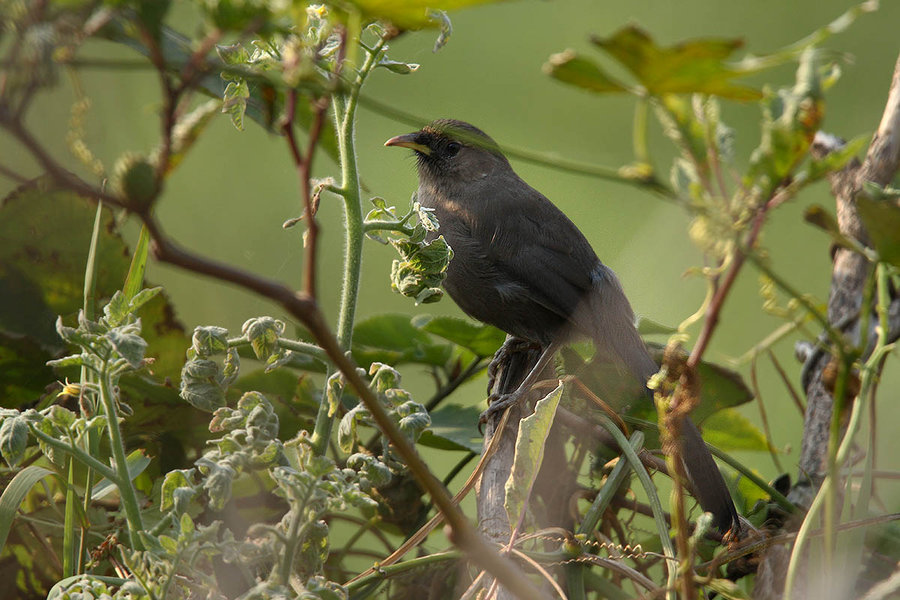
453, 148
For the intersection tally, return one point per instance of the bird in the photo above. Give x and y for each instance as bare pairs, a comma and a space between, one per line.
520, 264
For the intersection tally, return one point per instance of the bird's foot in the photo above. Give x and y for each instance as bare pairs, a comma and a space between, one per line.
497, 403
512, 345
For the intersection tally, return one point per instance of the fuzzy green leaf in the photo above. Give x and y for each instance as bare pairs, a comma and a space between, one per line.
13, 439
129, 345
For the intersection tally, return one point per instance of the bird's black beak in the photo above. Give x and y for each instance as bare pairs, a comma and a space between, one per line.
409, 141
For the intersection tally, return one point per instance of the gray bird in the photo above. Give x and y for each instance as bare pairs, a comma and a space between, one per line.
522, 266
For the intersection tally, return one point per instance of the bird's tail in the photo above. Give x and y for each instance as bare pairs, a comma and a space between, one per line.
611, 320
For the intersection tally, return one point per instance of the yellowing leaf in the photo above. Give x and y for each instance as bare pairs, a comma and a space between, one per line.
533, 432
582, 72
411, 14
695, 66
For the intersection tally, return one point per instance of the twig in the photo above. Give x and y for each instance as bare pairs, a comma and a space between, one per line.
10, 174
798, 402
718, 300
303, 164
764, 415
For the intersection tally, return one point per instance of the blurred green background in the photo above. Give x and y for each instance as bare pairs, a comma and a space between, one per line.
236, 188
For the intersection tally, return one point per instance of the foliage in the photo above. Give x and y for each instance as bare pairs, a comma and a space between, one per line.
264, 504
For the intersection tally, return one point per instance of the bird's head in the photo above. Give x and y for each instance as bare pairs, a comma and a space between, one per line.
450, 150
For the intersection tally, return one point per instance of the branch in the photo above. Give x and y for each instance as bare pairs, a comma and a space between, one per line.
822, 428
304, 308
849, 275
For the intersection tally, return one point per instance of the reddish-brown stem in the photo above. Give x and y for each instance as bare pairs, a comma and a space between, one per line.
304, 308
801, 407
304, 172
724, 287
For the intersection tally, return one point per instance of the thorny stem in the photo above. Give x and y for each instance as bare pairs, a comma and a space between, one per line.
345, 115
344, 109
283, 574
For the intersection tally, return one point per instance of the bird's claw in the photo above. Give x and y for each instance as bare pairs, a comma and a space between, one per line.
497, 403
511, 345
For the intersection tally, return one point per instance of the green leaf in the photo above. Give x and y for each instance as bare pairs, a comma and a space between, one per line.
35, 286
791, 119
169, 544
14, 494
205, 394
821, 218
234, 102
533, 431
209, 340
143, 297
454, 427
392, 339
720, 388
729, 430
647, 326
691, 67
24, 370
411, 14
135, 278
137, 463
882, 221
263, 333
187, 524
426, 217
834, 161
727, 589
13, 439
348, 428
482, 340
401, 68
173, 488
414, 419
582, 72
422, 267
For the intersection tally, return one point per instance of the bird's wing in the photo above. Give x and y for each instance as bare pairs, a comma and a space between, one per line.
535, 246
